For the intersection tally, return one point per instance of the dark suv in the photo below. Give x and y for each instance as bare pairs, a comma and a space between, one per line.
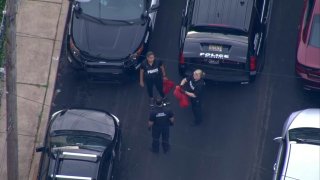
108, 36
223, 38
80, 144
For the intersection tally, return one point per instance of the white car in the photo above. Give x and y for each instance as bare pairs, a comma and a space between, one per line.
299, 152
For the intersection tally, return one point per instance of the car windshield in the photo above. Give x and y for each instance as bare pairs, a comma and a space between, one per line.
116, 10
218, 29
305, 135
315, 32
78, 141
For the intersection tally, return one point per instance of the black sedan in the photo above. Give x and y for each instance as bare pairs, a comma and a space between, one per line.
108, 36
80, 144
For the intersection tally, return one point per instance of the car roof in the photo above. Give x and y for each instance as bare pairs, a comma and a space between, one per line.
223, 12
84, 120
304, 162
305, 118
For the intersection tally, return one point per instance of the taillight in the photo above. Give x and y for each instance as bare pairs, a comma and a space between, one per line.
300, 68
253, 63
181, 58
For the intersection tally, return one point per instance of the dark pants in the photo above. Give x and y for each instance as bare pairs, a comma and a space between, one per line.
158, 82
196, 109
158, 131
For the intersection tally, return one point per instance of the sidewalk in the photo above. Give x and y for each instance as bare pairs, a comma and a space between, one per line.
40, 27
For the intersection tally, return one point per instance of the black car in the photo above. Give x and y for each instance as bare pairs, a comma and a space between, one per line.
80, 144
108, 36
223, 38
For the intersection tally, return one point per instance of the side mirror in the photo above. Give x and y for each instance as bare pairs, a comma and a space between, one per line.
41, 149
77, 7
144, 17
278, 139
145, 14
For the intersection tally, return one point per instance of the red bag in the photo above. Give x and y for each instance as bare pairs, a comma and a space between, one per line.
184, 102
182, 98
177, 92
167, 86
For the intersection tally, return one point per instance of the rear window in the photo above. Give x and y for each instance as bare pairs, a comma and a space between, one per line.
114, 9
315, 32
218, 29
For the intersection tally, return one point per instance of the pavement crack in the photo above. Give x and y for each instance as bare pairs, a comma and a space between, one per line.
36, 85
27, 35
44, 1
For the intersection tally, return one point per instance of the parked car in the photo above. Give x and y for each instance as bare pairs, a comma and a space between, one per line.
308, 50
80, 144
108, 36
223, 37
299, 152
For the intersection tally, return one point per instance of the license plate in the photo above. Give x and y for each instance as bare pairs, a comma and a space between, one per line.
215, 48
213, 61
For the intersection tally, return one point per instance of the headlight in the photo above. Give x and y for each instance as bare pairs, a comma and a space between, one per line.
75, 51
116, 118
55, 114
135, 55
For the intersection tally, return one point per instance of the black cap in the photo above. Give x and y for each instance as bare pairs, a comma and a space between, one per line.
159, 101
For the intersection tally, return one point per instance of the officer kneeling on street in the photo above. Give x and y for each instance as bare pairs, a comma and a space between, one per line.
161, 118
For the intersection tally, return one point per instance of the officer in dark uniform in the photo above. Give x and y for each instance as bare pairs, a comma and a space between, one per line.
160, 120
193, 87
152, 73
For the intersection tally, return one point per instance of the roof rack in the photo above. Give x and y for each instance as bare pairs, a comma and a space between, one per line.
71, 177
65, 155
68, 154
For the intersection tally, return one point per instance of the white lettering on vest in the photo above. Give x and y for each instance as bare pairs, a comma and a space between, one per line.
161, 114
153, 71
191, 85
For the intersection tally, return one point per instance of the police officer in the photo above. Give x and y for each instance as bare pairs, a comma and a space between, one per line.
152, 73
160, 120
193, 87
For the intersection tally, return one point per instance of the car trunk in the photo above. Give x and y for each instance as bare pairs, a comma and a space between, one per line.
222, 57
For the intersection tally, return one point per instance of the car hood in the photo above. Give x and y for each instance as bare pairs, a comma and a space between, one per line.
309, 56
234, 47
109, 40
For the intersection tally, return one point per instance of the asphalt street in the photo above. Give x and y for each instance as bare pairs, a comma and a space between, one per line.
240, 121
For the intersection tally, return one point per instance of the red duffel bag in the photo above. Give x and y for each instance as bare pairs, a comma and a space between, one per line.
167, 86
182, 98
